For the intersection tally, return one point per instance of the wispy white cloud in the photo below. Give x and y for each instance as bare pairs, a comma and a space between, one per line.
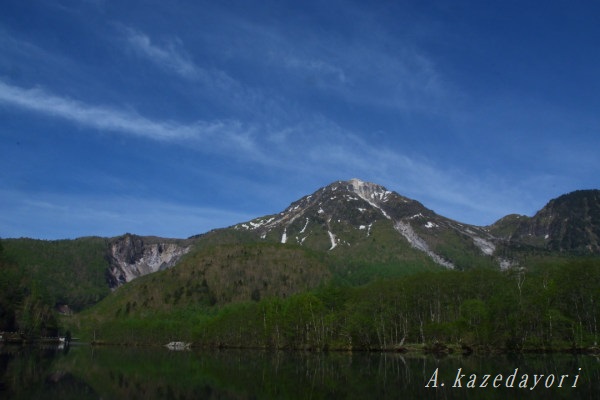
104, 118
171, 56
316, 147
322, 152
220, 134
315, 66
375, 70
213, 83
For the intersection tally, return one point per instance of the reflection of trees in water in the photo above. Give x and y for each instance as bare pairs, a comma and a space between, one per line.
321, 374
27, 373
21, 369
155, 373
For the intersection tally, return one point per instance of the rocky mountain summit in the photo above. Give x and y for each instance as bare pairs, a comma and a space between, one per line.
350, 214
567, 224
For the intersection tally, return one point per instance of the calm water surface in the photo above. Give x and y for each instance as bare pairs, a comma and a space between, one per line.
84, 372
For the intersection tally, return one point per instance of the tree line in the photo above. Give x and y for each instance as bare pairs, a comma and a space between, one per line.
25, 304
551, 308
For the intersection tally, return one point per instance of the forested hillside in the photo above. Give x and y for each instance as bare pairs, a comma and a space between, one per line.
351, 266
553, 306
25, 302
72, 272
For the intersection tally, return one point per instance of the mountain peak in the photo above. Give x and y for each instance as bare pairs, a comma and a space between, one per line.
353, 217
368, 191
356, 214
357, 184
568, 223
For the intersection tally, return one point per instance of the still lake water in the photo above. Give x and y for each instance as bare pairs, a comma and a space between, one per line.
84, 372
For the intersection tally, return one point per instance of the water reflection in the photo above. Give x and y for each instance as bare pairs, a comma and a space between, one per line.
156, 373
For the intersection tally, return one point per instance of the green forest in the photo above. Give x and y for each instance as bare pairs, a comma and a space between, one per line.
551, 307
549, 303
34, 281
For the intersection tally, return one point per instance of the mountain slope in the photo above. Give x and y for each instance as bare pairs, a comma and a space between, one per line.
71, 272
218, 275
346, 234
567, 224
347, 217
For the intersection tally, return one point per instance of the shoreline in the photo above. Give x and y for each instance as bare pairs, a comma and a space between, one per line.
411, 348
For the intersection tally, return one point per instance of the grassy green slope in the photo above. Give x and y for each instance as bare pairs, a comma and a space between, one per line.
382, 254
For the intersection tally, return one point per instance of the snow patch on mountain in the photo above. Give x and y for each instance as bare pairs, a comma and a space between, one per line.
305, 225
367, 228
370, 192
506, 264
333, 240
485, 246
255, 224
418, 243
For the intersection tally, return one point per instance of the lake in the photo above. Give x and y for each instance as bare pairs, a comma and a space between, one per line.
85, 372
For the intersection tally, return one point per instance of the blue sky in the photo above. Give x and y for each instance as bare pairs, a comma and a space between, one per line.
174, 118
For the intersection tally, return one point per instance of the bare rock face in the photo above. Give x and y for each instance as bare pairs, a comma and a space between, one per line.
132, 256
